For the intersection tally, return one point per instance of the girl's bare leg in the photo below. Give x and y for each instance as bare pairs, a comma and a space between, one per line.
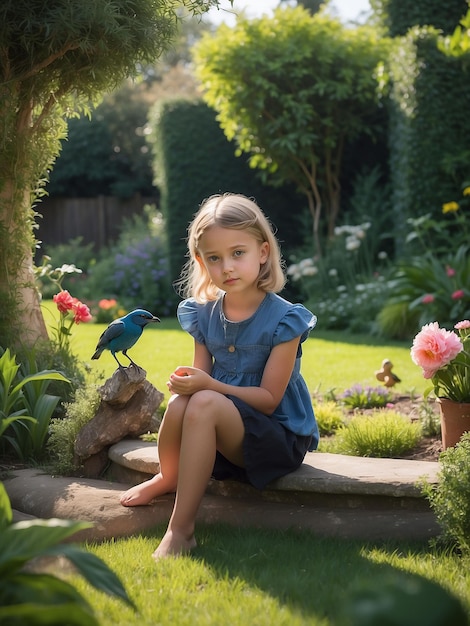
169, 441
211, 422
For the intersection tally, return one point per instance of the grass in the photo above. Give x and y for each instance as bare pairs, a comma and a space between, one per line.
264, 577
241, 576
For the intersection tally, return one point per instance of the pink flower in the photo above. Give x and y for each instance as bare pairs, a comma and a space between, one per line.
462, 325
81, 312
450, 271
458, 295
434, 347
107, 304
428, 298
64, 301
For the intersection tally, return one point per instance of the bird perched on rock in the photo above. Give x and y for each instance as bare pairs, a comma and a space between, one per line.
385, 374
123, 333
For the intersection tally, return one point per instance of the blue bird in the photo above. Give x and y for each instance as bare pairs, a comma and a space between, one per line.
123, 333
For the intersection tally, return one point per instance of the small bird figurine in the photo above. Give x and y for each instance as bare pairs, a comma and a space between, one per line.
123, 333
386, 376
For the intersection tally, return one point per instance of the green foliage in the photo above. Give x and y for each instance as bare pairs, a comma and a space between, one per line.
429, 419
135, 269
450, 498
360, 397
430, 282
64, 431
107, 154
25, 407
290, 90
329, 417
380, 434
28, 597
189, 146
429, 126
348, 286
398, 16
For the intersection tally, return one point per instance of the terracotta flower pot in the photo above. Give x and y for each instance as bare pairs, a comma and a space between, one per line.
455, 421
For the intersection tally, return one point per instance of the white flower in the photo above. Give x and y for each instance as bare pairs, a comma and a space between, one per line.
352, 243
310, 271
305, 263
382, 255
333, 272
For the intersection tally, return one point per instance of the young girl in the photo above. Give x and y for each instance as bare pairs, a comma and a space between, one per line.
242, 410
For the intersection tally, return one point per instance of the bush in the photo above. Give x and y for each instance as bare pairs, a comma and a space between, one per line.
135, 270
359, 397
384, 434
64, 431
25, 406
329, 417
450, 498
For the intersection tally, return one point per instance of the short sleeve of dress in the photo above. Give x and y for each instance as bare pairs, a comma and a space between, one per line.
297, 322
187, 314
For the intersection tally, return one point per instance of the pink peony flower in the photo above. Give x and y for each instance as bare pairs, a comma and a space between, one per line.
450, 271
428, 298
64, 301
434, 347
81, 312
462, 325
458, 295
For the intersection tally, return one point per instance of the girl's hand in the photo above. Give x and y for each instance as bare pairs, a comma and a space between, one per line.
187, 380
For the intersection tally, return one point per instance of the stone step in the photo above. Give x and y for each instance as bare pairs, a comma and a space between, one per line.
35, 493
323, 479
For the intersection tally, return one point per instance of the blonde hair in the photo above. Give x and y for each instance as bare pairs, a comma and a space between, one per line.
237, 212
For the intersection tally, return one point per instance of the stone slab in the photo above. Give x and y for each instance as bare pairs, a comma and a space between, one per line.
35, 493
320, 473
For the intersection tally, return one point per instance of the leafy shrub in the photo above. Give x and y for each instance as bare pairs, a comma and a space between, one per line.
359, 397
135, 270
450, 498
383, 434
329, 417
27, 597
25, 406
64, 431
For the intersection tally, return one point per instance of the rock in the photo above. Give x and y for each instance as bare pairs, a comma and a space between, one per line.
128, 402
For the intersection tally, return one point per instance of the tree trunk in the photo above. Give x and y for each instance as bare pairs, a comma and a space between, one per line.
21, 320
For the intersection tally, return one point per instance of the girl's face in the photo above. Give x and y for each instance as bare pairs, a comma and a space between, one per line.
232, 258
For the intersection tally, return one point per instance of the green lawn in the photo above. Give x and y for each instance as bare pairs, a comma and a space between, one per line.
331, 360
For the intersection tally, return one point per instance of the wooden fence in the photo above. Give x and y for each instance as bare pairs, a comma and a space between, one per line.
97, 220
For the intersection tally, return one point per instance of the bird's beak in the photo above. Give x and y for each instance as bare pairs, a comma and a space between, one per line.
155, 319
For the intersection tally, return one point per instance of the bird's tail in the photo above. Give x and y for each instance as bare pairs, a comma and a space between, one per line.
98, 353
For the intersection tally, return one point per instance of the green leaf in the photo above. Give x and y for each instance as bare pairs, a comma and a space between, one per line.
95, 571
23, 541
6, 515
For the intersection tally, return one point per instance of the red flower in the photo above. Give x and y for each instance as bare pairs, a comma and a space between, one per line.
428, 298
458, 295
64, 301
81, 312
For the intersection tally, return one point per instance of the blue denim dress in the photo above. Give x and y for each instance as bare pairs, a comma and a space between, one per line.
274, 445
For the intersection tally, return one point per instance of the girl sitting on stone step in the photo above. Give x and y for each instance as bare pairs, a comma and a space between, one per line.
242, 410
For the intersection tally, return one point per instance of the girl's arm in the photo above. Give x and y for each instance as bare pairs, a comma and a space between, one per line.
265, 398
202, 358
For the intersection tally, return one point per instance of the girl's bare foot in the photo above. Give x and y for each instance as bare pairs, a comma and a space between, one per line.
145, 492
174, 544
